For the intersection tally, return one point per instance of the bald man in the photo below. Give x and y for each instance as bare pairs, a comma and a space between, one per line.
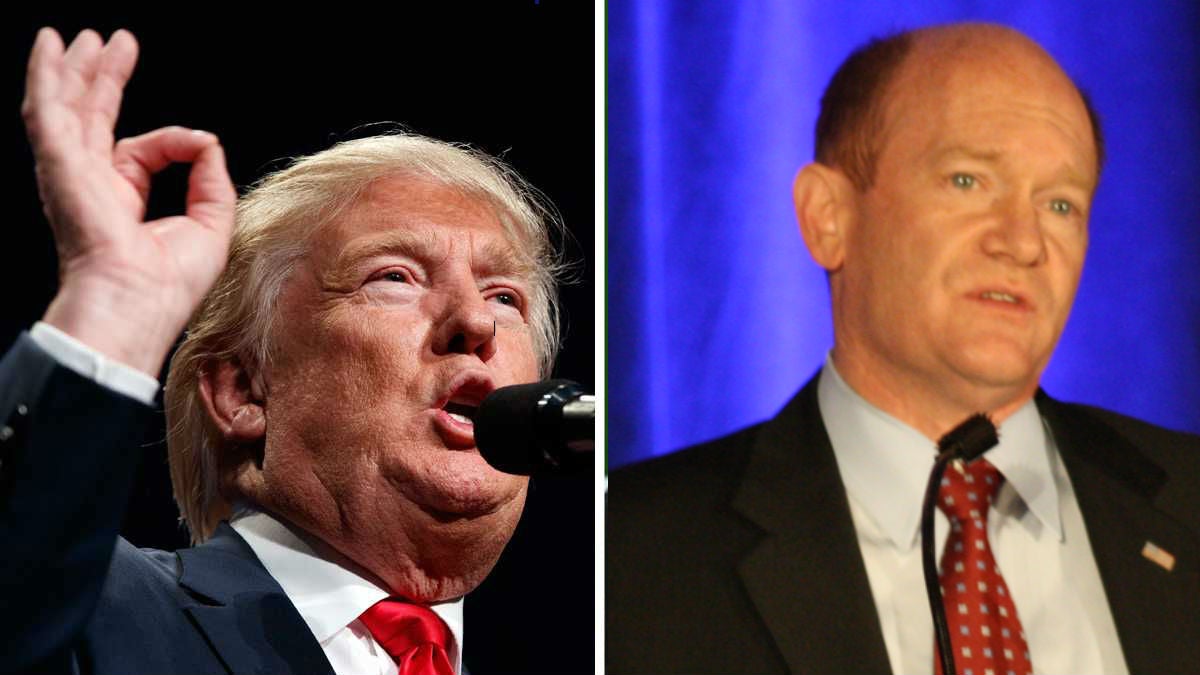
949, 201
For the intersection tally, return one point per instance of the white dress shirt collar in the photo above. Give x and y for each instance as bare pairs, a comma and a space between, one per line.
885, 463
328, 597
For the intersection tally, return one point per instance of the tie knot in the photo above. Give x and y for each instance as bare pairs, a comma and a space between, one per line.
964, 495
412, 635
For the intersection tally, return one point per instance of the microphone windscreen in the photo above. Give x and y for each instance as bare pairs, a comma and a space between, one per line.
967, 441
519, 429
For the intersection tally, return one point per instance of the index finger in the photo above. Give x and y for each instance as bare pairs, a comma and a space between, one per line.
211, 197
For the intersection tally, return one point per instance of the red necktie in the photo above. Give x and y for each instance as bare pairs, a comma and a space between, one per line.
413, 635
984, 629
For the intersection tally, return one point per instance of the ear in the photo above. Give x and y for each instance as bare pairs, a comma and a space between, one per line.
234, 400
824, 199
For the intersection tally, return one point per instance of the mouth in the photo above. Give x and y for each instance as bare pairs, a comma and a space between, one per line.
463, 413
998, 295
1004, 299
455, 411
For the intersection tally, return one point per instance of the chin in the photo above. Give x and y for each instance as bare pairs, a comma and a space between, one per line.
465, 486
1000, 364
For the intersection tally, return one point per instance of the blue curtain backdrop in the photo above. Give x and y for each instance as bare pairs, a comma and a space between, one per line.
716, 314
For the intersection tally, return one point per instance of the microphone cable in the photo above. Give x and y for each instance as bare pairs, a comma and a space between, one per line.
965, 442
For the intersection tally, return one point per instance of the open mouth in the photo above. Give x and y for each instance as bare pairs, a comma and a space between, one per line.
461, 412
1004, 298
1000, 297
460, 405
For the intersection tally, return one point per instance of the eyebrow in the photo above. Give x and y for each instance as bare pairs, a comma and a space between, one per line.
1068, 173
983, 155
494, 258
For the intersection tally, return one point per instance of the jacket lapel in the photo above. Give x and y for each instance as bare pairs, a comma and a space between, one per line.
809, 557
245, 615
1155, 610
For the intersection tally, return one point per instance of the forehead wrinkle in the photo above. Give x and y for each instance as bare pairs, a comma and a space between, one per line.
1026, 104
490, 256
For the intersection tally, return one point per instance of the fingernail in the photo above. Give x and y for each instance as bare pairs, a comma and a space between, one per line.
204, 134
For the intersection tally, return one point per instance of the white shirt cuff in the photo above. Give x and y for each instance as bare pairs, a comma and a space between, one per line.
88, 362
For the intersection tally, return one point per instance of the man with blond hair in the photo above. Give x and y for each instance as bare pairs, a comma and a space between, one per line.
948, 203
344, 320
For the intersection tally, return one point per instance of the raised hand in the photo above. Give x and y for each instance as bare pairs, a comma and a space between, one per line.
126, 287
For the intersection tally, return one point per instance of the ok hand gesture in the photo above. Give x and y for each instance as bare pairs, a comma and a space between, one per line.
126, 287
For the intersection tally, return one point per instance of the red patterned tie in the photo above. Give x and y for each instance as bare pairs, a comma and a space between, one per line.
413, 635
984, 628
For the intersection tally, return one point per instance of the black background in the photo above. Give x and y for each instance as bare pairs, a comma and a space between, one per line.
514, 80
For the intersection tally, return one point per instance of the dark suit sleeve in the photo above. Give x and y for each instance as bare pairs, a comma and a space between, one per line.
68, 453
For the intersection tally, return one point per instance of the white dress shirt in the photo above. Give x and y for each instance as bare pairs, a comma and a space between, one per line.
1035, 528
74, 355
328, 597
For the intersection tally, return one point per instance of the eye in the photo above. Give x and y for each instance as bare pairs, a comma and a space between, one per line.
508, 298
963, 181
1061, 207
396, 276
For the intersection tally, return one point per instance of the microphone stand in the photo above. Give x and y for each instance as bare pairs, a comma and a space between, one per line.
966, 442
941, 631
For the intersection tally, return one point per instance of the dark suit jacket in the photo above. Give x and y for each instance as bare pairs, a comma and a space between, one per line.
71, 602
740, 556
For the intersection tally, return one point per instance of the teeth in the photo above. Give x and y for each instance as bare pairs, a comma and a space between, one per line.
461, 418
1002, 297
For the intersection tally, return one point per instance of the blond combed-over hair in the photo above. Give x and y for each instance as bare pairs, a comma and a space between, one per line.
275, 222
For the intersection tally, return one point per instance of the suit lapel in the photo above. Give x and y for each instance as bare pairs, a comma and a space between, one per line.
1155, 610
247, 619
809, 557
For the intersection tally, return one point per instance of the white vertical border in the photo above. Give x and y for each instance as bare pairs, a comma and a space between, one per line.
600, 239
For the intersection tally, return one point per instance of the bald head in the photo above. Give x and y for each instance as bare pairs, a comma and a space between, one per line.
870, 86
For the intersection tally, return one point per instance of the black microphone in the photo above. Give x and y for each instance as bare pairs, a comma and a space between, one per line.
544, 427
967, 442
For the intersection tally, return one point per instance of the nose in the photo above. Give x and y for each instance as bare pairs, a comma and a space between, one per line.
1016, 235
466, 325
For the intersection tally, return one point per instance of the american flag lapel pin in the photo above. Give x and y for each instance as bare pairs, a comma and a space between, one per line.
1158, 556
